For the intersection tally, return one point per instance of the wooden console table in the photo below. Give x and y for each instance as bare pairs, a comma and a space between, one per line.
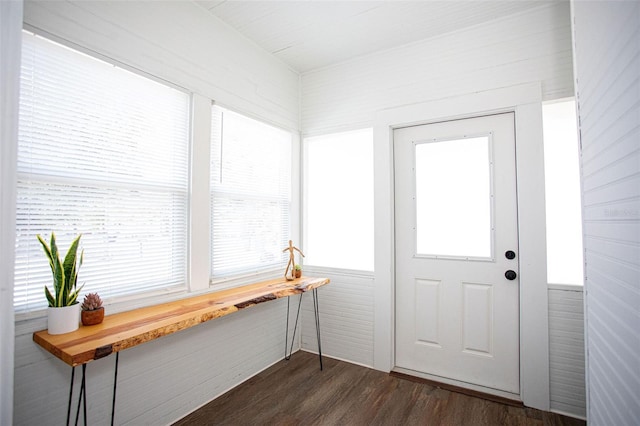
128, 329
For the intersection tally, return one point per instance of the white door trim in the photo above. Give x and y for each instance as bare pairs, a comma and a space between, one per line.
525, 100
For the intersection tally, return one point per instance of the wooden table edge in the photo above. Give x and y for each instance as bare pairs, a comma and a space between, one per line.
131, 328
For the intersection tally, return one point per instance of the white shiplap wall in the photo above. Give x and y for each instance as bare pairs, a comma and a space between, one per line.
164, 380
180, 42
607, 58
346, 317
566, 350
534, 46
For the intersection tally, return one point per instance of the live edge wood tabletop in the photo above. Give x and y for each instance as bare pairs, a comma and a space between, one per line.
127, 329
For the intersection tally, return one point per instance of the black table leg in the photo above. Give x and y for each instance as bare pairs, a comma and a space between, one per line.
316, 310
115, 385
293, 339
73, 371
82, 398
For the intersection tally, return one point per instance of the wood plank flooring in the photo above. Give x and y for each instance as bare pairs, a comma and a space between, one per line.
296, 392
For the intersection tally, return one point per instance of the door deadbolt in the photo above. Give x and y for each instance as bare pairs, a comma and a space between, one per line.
510, 254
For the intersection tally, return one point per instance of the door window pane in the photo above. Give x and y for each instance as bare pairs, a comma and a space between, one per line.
453, 198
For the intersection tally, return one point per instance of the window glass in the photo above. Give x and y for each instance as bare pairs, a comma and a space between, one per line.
250, 194
338, 200
562, 194
453, 198
102, 152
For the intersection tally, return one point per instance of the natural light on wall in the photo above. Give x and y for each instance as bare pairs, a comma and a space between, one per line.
338, 200
562, 186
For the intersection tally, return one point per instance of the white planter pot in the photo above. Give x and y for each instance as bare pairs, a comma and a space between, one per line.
63, 320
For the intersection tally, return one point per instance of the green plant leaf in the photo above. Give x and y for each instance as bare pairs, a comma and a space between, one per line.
47, 250
65, 274
70, 263
73, 297
50, 298
58, 274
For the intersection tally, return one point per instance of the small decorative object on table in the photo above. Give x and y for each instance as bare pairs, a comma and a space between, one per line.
92, 309
63, 311
292, 261
297, 271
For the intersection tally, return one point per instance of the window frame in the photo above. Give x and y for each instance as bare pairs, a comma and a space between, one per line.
305, 201
241, 277
197, 269
560, 229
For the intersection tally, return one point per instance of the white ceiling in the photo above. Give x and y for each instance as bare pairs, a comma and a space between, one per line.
309, 34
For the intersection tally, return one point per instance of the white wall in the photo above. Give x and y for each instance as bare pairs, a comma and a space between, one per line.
567, 389
164, 380
607, 58
532, 47
349, 298
10, 44
179, 42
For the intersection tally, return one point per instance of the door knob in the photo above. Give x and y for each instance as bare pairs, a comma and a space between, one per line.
510, 275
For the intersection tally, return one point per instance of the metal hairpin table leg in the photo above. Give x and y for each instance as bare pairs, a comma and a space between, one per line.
316, 310
293, 339
82, 398
115, 385
73, 371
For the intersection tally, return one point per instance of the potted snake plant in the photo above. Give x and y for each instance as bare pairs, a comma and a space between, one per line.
63, 314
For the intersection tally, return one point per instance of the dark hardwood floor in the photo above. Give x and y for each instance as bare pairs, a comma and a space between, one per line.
296, 392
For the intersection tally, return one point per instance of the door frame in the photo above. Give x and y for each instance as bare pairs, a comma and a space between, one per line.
526, 102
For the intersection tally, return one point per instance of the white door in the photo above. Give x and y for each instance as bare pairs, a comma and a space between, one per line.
456, 239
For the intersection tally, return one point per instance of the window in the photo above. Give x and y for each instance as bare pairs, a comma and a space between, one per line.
102, 152
562, 186
456, 174
250, 194
338, 200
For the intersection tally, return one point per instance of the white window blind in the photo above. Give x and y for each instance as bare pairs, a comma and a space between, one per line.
102, 152
251, 194
338, 200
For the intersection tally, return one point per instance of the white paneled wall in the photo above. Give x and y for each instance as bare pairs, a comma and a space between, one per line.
180, 42
530, 47
566, 351
346, 317
607, 57
162, 381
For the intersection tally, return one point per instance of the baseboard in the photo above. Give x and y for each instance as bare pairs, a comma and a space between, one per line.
338, 358
458, 389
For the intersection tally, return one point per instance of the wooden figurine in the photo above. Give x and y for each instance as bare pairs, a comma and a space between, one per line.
292, 261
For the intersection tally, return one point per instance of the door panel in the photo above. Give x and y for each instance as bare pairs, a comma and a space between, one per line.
457, 315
